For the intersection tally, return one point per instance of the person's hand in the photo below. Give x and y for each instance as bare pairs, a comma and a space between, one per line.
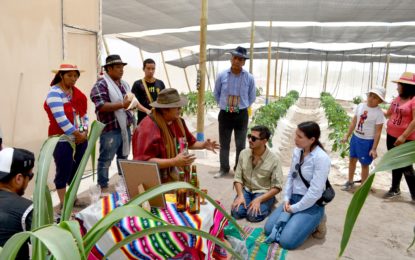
126, 102
399, 141
80, 137
344, 140
240, 200
287, 207
183, 159
255, 207
373, 154
211, 145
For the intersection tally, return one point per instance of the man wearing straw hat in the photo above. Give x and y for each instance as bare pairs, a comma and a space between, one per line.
111, 99
234, 92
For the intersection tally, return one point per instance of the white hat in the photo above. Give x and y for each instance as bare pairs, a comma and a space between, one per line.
380, 92
15, 160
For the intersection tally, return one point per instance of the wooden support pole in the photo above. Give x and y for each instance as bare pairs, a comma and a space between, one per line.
165, 68
269, 65
202, 66
276, 73
282, 69
141, 55
184, 70
370, 83
388, 57
251, 47
326, 73
107, 50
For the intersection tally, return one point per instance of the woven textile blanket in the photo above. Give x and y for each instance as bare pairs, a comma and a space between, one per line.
254, 242
156, 246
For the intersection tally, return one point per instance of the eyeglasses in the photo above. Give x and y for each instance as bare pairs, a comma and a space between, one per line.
30, 175
297, 168
254, 138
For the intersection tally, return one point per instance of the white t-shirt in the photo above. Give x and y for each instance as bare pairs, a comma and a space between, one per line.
367, 119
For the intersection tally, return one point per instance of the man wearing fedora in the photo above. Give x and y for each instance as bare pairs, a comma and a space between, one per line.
16, 167
234, 92
157, 137
109, 95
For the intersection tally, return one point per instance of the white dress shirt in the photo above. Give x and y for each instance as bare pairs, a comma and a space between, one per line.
315, 170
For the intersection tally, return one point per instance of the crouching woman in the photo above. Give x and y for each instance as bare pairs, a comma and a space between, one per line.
300, 214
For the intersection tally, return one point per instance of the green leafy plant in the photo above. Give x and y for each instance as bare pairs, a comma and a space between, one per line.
357, 100
338, 123
64, 240
268, 115
258, 91
395, 158
191, 107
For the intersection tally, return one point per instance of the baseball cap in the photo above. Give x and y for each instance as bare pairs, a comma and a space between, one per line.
14, 161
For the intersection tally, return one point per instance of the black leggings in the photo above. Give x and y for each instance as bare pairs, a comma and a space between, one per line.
407, 171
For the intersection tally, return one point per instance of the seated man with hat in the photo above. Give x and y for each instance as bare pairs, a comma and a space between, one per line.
156, 137
15, 211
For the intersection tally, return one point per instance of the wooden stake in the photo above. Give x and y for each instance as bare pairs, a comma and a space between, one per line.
326, 75
184, 70
282, 69
276, 73
269, 64
165, 68
251, 47
107, 50
202, 66
388, 57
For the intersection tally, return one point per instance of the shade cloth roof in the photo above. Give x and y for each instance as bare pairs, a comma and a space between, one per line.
135, 16
345, 34
359, 55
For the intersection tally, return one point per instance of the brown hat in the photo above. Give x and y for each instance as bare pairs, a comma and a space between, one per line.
168, 98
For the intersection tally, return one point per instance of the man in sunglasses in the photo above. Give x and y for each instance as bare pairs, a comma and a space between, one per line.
16, 167
258, 178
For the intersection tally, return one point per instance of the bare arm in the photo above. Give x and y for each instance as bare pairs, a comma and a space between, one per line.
408, 131
352, 126
378, 132
180, 160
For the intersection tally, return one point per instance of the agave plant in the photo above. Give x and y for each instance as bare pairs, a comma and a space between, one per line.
395, 158
64, 240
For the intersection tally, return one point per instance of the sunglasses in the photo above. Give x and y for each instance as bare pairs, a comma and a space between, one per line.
30, 175
297, 168
254, 138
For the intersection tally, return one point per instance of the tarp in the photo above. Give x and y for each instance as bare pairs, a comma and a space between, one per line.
358, 55
136, 16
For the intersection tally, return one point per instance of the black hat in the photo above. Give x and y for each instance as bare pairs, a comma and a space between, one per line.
240, 52
114, 59
14, 161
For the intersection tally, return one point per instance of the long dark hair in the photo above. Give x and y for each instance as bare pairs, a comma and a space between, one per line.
311, 129
408, 91
59, 76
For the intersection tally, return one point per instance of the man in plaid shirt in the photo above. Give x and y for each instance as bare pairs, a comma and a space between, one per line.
111, 103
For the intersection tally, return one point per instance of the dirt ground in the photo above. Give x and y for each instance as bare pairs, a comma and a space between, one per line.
384, 228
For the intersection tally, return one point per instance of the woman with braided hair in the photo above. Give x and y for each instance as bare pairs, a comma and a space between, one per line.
156, 138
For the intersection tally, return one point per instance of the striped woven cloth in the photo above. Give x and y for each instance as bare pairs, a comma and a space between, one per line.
160, 245
254, 240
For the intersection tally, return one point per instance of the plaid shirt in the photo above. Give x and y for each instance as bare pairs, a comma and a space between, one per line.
100, 95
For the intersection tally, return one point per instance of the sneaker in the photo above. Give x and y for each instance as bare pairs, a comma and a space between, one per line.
391, 194
348, 186
321, 230
220, 174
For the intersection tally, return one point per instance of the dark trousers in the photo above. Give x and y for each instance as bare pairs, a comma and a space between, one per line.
407, 171
229, 122
67, 162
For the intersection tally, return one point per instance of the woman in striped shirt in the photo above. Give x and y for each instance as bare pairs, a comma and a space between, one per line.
66, 107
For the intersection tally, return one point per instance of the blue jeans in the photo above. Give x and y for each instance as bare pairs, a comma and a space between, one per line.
242, 212
110, 144
299, 227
